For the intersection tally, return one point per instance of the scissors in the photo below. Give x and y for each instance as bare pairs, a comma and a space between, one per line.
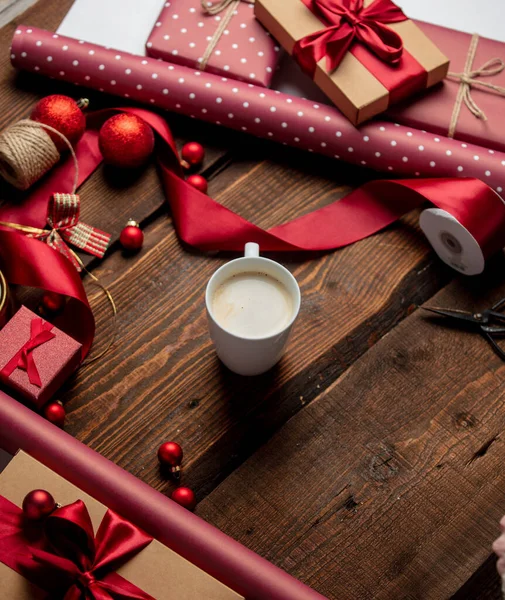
487, 322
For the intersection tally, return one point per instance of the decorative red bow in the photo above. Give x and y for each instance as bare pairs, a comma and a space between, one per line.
348, 21
69, 561
63, 218
40, 333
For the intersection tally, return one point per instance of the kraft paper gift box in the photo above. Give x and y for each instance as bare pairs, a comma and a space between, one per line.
221, 37
36, 358
156, 570
362, 85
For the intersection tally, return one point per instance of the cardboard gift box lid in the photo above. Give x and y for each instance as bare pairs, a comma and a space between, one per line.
352, 87
156, 570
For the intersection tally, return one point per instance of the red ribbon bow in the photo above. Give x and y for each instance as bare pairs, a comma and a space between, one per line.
69, 561
348, 21
40, 333
63, 218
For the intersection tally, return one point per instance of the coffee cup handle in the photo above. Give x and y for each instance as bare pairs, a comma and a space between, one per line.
251, 250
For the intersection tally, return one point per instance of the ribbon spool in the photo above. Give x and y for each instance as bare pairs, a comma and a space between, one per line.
458, 243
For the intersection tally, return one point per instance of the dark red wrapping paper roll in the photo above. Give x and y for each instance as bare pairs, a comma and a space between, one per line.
194, 539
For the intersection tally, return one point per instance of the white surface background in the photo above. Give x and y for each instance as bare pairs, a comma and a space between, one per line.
126, 24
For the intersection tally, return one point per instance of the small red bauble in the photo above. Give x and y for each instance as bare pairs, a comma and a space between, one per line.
192, 155
170, 455
126, 141
198, 182
38, 504
131, 237
55, 413
52, 303
63, 114
185, 497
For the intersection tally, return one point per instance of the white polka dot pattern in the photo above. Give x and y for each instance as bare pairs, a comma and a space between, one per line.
263, 112
245, 51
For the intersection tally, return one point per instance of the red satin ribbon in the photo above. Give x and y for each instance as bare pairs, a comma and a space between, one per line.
40, 333
205, 224
29, 262
348, 21
63, 557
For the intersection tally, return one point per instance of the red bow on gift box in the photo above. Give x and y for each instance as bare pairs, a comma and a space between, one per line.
348, 21
40, 333
63, 219
67, 559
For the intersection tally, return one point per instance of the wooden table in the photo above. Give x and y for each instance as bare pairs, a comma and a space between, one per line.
367, 465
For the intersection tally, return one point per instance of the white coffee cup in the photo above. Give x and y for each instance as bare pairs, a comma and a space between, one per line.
251, 355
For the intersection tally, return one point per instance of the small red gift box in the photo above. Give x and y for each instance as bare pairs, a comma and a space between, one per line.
221, 37
35, 357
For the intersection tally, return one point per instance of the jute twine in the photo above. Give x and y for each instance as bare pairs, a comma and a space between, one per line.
470, 78
215, 9
26, 153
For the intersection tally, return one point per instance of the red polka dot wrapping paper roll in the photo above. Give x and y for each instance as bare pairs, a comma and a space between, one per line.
244, 50
270, 114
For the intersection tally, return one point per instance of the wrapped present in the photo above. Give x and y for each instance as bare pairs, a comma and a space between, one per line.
36, 358
182, 531
363, 54
220, 37
470, 103
83, 548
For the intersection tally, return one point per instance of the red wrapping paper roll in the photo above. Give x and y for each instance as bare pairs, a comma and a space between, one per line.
265, 113
191, 537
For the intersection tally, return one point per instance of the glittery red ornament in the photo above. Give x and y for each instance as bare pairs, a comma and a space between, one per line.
55, 413
38, 504
63, 114
126, 141
131, 237
185, 497
192, 155
170, 455
198, 182
52, 303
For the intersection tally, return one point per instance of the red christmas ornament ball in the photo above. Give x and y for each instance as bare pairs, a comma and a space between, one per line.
38, 504
185, 497
63, 114
192, 154
170, 454
126, 141
131, 237
198, 182
54, 412
52, 302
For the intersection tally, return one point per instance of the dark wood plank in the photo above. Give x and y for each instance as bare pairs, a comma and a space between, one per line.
389, 485
484, 584
163, 380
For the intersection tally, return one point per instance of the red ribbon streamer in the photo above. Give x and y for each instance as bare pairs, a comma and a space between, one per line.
64, 557
348, 21
40, 333
205, 224
29, 262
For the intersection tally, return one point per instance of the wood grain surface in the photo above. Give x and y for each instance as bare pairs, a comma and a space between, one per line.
368, 462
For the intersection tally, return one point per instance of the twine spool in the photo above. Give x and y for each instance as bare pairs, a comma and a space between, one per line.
27, 153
